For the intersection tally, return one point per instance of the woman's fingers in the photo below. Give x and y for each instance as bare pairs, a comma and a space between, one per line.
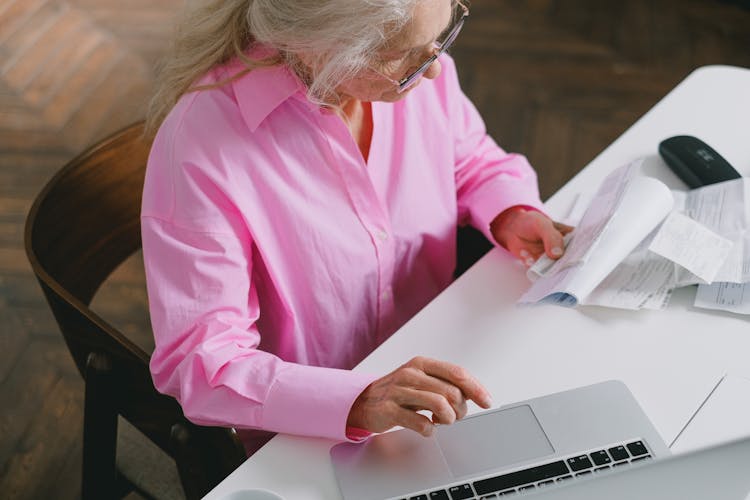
421, 384
528, 234
553, 243
417, 422
545, 237
529, 252
456, 376
442, 411
422, 381
563, 228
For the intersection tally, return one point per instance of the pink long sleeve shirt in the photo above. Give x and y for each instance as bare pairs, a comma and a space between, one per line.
277, 258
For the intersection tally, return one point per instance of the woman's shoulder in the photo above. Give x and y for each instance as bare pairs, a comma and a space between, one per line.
189, 178
210, 110
211, 135
230, 103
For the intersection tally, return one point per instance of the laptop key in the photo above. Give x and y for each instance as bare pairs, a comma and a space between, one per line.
564, 478
603, 467
439, 495
619, 453
617, 464
600, 457
527, 487
637, 448
419, 497
546, 483
583, 473
515, 479
579, 463
461, 492
644, 457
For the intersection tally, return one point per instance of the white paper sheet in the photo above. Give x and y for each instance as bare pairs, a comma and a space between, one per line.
691, 245
724, 208
732, 297
627, 253
642, 281
622, 213
598, 216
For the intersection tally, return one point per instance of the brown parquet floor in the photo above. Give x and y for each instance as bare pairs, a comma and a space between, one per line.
556, 80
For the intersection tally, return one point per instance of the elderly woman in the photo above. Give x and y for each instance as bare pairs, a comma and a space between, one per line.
312, 162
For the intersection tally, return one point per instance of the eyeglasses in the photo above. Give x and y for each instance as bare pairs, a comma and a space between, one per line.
440, 47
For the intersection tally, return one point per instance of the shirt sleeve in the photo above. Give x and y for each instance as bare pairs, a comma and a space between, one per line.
204, 308
488, 179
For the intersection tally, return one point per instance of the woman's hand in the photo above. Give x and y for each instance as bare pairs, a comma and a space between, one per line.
420, 384
528, 234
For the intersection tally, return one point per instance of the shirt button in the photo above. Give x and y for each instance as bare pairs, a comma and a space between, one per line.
382, 235
385, 295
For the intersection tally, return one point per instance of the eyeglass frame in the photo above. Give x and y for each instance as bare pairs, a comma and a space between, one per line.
409, 80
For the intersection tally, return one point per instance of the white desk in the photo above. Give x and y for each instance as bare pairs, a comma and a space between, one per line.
669, 359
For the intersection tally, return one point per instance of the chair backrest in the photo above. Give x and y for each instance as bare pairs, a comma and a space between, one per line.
81, 227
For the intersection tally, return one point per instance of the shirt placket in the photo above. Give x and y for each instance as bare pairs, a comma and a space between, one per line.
347, 159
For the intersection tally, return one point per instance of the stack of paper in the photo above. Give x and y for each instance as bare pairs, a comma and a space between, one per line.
637, 241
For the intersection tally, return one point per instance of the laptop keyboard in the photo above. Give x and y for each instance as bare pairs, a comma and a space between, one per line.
541, 476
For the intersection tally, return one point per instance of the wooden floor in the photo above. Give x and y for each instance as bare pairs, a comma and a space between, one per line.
556, 80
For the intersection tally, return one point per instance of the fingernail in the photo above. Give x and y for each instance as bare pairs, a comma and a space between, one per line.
529, 261
524, 253
557, 251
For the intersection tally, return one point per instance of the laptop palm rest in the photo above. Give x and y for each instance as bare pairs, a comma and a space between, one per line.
498, 439
392, 463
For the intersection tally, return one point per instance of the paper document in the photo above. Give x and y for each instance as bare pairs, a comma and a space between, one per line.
724, 208
723, 416
624, 210
637, 241
691, 245
732, 297
642, 281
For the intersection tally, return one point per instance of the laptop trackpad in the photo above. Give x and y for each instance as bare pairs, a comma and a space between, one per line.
400, 462
490, 441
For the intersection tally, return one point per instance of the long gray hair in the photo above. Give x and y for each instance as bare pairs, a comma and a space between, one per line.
338, 38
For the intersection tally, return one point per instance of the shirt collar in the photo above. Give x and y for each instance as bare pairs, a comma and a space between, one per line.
262, 90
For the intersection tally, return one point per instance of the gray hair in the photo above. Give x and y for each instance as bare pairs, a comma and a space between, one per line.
337, 37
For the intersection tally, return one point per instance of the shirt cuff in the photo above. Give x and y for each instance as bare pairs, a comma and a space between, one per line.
492, 200
313, 401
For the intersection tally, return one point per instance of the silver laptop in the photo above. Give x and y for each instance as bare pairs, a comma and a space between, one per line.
516, 449
716, 473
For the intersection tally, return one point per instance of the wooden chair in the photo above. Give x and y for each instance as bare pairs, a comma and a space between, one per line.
83, 224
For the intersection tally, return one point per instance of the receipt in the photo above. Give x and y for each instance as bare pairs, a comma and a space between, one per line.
732, 297
625, 209
692, 246
644, 280
637, 241
724, 208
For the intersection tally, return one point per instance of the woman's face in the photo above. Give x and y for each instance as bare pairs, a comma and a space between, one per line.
404, 53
